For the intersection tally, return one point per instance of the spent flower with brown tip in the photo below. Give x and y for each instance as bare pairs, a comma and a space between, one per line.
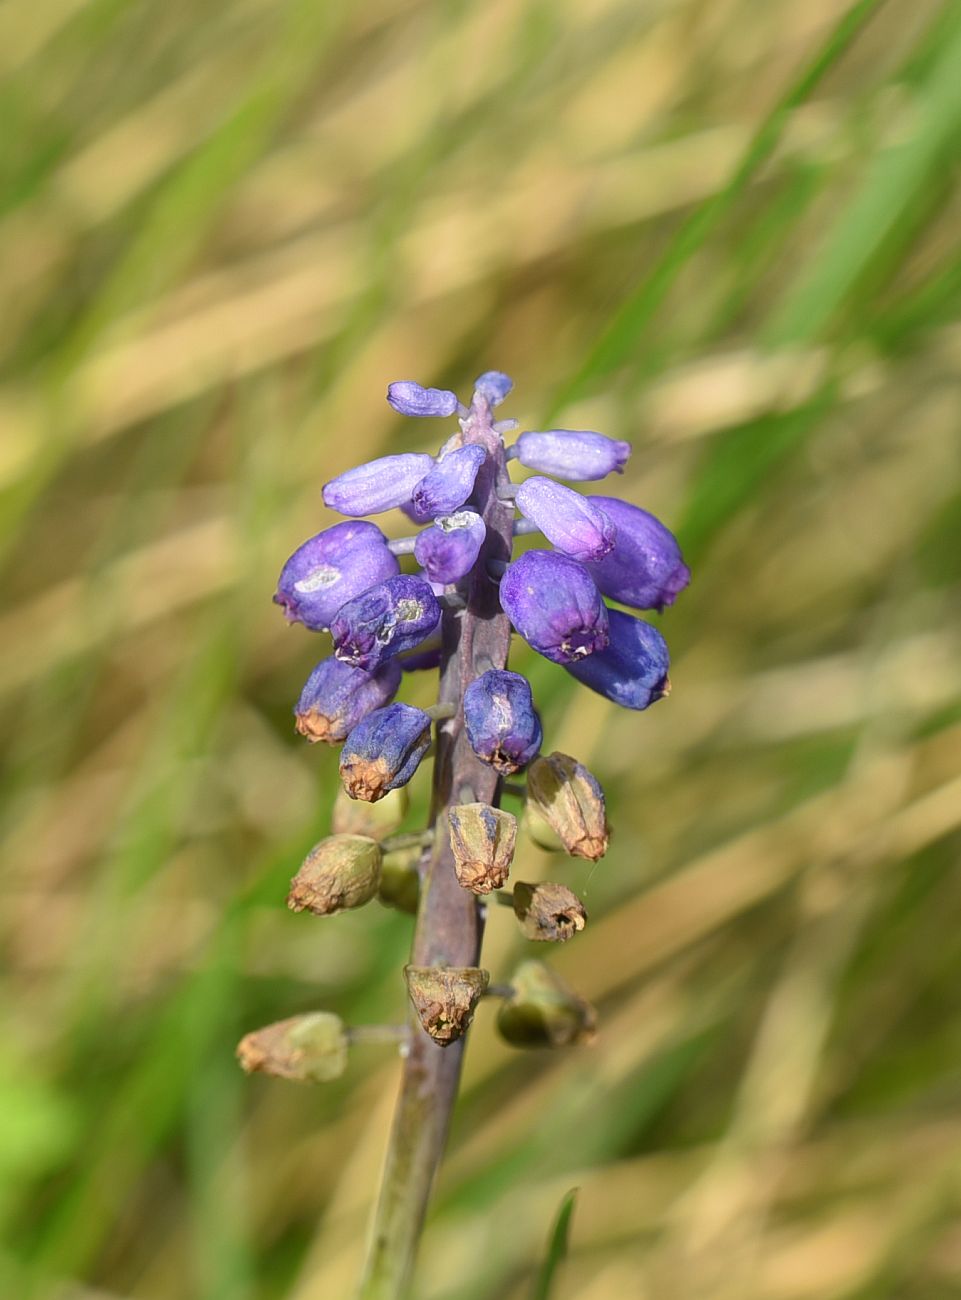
548, 913
482, 840
444, 998
571, 801
308, 1049
342, 871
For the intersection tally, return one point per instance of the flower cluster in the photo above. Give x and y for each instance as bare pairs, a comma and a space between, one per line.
382, 621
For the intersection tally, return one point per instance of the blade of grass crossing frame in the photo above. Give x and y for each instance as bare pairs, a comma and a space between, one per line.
556, 1248
894, 177
619, 338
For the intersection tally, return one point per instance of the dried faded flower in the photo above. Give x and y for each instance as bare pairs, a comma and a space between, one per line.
548, 912
444, 998
342, 871
569, 798
309, 1049
482, 839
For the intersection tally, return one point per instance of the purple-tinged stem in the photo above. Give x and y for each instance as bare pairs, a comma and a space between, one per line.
449, 926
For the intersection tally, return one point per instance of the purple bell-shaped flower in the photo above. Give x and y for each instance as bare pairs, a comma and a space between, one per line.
632, 671
448, 549
568, 520
394, 616
377, 485
576, 454
494, 385
502, 725
645, 568
383, 751
555, 606
408, 398
330, 569
449, 483
336, 697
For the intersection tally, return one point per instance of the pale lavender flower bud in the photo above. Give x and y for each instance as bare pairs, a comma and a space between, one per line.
394, 616
330, 569
632, 671
336, 697
383, 752
494, 385
409, 398
555, 606
645, 568
448, 549
566, 519
576, 454
379, 485
502, 726
449, 483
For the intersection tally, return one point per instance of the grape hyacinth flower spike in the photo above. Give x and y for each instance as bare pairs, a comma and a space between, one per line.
458, 612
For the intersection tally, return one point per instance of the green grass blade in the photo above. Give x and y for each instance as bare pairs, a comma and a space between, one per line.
622, 334
556, 1248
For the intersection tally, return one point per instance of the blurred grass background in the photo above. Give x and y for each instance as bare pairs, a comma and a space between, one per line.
727, 231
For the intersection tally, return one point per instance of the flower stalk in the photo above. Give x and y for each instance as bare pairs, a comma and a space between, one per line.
449, 926
457, 614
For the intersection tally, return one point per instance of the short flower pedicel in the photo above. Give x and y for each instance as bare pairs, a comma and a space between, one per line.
457, 612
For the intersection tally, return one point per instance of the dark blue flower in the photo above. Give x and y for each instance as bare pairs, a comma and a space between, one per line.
555, 606
645, 569
632, 671
576, 454
330, 569
383, 751
448, 549
336, 697
394, 616
502, 725
566, 519
378, 485
449, 483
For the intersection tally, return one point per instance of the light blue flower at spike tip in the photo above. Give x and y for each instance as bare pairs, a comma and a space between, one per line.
347, 579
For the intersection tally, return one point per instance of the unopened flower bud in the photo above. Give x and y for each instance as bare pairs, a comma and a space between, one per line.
400, 879
341, 871
383, 752
408, 398
378, 485
330, 569
482, 840
377, 820
576, 454
449, 483
568, 520
448, 549
632, 671
309, 1049
494, 385
543, 1011
555, 606
444, 998
394, 616
571, 801
548, 912
336, 697
645, 567
502, 726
